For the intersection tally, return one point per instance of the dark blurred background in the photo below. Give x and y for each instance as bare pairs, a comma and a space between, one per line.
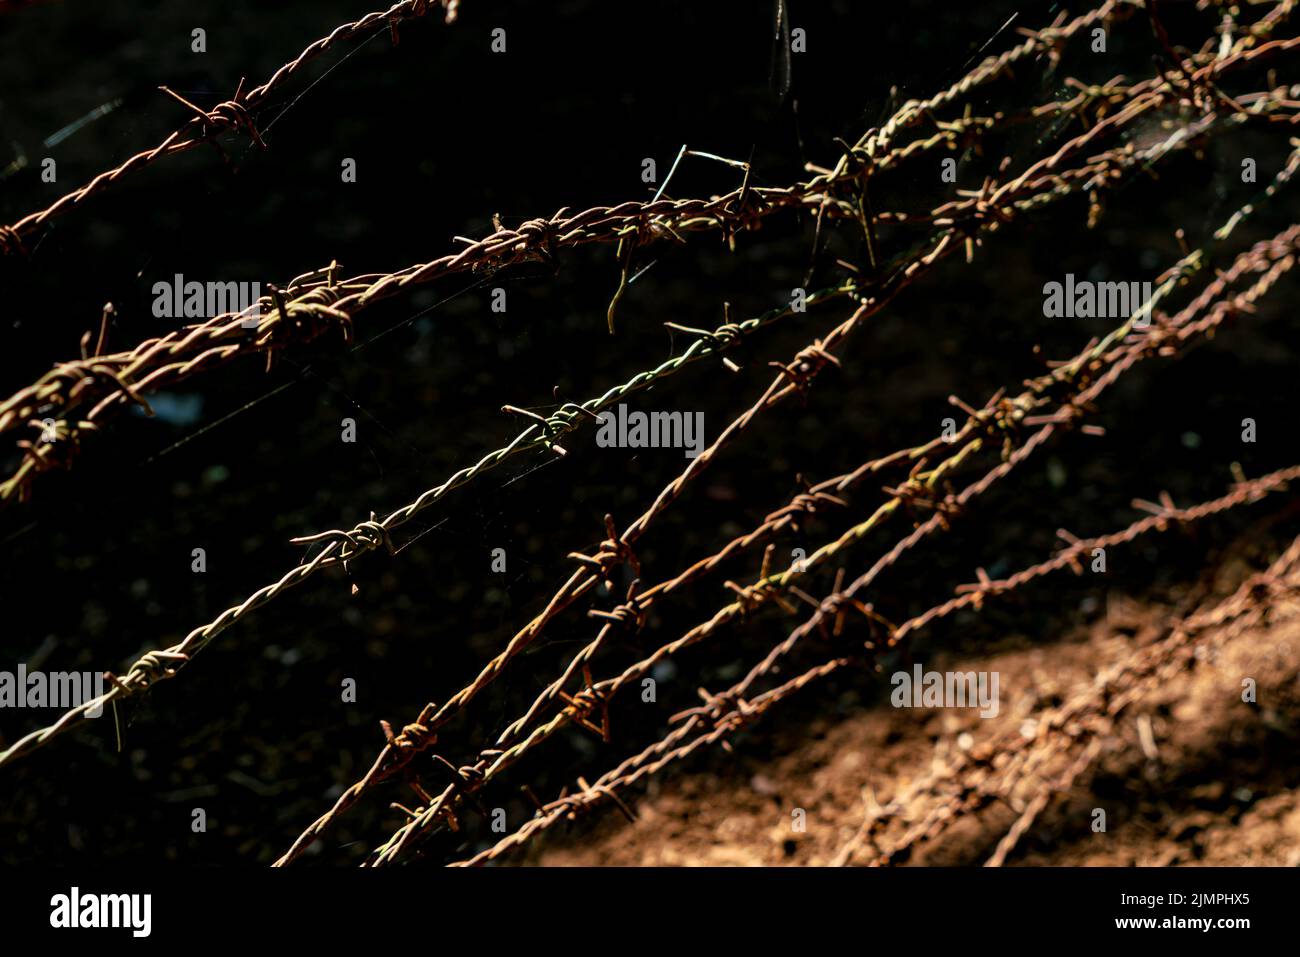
445, 134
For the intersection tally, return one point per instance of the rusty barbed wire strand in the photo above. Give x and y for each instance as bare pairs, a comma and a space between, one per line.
397, 753
1261, 28
236, 112
567, 807
1272, 257
115, 381
108, 379
40, 452
492, 763
615, 550
577, 584
498, 759
361, 541
744, 711
342, 547
475, 776
998, 416
1257, 259
395, 756
207, 125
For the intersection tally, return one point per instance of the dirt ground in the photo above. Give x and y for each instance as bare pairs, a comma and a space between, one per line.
1215, 784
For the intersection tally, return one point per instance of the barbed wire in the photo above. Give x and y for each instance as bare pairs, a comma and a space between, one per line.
510, 746
206, 125
117, 381
343, 546
400, 751
730, 710
236, 113
317, 302
114, 382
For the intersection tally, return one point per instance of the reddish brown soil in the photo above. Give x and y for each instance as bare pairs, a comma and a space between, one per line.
1219, 787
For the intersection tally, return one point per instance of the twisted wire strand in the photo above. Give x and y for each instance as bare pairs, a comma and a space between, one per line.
344, 546
492, 762
743, 712
110, 382
113, 382
203, 128
394, 757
